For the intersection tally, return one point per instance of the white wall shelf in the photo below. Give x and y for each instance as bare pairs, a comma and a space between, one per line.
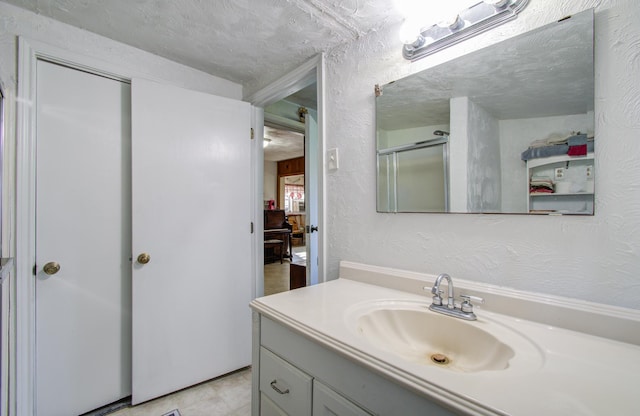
574, 173
535, 194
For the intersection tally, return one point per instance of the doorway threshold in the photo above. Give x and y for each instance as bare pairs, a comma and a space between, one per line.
110, 408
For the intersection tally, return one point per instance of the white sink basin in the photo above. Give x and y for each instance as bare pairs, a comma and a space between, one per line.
410, 331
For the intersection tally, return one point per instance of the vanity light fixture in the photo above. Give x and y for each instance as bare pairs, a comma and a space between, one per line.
477, 18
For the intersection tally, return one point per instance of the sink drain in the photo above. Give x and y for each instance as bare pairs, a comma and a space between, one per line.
440, 359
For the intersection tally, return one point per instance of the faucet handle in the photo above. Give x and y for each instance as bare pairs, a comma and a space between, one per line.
466, 305
433, 289
437, 295
469, 298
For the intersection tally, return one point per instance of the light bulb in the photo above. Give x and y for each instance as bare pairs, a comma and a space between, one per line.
498, 4
452, 22
448, 12
409, 31
421, 13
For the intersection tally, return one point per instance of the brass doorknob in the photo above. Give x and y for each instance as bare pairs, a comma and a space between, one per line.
51, 268
144, 258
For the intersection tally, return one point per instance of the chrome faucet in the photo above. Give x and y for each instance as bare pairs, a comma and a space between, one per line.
464, 311
437, 298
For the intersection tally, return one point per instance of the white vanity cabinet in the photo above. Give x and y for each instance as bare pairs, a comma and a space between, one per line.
294, 375
287, 387
573, 184
268, 407
285, 390
327, 402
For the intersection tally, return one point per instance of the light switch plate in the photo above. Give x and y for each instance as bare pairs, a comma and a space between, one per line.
332, 159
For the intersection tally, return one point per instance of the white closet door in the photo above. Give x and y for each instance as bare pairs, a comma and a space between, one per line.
191, 215
83, 355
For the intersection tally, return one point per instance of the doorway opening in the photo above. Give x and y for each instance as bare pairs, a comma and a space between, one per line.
285, 264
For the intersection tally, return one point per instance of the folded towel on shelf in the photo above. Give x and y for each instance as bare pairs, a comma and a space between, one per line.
551, 140
560, 147
541, 184
577, 145
539, 190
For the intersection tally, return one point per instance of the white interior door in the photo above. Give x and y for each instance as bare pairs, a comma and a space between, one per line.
191, 214
83, 355
312, 199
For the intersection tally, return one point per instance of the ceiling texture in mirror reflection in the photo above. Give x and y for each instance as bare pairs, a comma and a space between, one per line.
496, 103
545, 72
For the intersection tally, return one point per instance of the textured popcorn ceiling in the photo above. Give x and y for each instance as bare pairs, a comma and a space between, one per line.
248, 42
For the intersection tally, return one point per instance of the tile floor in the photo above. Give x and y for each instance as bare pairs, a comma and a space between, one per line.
229, 395
276, 278
276, 275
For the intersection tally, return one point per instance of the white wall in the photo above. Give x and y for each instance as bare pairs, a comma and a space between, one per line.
459, 155
270, 180
474, 158
594, 258
484, 174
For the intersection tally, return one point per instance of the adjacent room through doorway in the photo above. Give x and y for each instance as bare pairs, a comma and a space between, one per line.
285, 197
284, 205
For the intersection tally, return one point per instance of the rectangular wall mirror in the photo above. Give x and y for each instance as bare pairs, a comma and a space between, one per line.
506, 129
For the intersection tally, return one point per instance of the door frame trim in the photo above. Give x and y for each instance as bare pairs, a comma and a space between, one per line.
314, 70
22, 397
29, 52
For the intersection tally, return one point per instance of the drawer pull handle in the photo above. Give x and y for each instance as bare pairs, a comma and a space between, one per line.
273, 386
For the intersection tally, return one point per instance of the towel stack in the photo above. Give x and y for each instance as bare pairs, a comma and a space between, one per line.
541, 185
574, 144
577, 145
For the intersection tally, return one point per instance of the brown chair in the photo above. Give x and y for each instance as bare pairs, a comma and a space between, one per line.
272, 244
297, 232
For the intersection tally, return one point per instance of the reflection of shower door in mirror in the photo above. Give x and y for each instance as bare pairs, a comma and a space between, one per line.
413, 179
420, 180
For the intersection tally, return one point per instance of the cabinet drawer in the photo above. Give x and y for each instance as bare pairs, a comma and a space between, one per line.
269, 408
288, 387
327, 402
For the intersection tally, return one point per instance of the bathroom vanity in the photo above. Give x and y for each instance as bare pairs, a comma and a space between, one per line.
300, 377
365, 344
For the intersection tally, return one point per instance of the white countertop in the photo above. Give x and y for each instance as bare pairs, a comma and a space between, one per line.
574, 373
